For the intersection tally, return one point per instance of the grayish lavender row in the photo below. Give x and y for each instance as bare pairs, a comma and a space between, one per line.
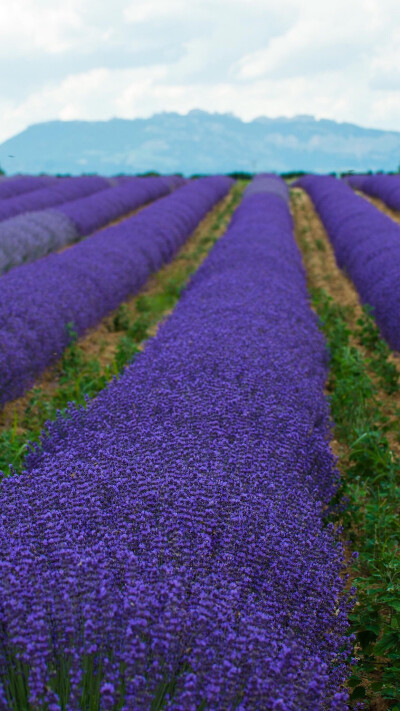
31, 235
367, 246
84, 283
268, 182
171, 535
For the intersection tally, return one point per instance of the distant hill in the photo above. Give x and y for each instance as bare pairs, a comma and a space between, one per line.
199, 142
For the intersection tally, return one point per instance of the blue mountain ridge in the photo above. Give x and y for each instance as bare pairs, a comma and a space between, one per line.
199, 142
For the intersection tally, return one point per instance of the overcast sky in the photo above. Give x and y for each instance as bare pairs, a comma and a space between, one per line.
97, 59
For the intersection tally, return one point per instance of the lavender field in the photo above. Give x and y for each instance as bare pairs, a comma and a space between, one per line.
199, 446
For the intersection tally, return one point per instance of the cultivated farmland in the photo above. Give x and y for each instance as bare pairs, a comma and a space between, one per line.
199, 444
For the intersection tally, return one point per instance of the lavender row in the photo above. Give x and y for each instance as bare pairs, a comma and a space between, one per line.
170, 537
34, 234
57, 192
18, 184
367, 246
267, 182
90, 213
84, 283
384, 187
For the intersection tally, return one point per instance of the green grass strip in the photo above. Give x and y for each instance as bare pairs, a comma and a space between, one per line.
371, 487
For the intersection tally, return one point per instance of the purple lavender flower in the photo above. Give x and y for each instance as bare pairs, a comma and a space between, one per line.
90, 213
168, 541
84, 283
31, 235
367, 246
384, 187
268, 182
18, 184
56, 192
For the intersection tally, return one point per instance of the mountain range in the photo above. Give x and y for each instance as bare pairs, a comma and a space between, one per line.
199, 142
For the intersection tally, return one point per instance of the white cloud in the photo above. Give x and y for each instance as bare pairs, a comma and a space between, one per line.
385, 65
252, 57
31, 25
145, 10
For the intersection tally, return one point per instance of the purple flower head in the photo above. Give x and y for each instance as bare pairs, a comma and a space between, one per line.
170, 537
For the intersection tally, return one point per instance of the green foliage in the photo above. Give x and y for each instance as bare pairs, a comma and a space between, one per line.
379, 351
371, 486
121, 319
241, 175
293, 175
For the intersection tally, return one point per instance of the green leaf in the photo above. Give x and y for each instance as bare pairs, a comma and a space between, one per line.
358, 693
395, 604
390, 640
366, 637
376, 686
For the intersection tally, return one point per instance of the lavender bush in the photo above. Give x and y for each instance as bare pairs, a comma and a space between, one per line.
268, 182
367, 246
90, 213
165, 547
34, 234
18, 184
84, 283
355, 181
384, 187
57, 192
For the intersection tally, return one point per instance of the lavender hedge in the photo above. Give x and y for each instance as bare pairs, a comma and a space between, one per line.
355, 181
90, 213
367, 246
165, 547
57, 192
18, 184
34, 234
268, 182
384, 187
84, 283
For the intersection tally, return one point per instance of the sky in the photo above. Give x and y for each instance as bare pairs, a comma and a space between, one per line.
99, 59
